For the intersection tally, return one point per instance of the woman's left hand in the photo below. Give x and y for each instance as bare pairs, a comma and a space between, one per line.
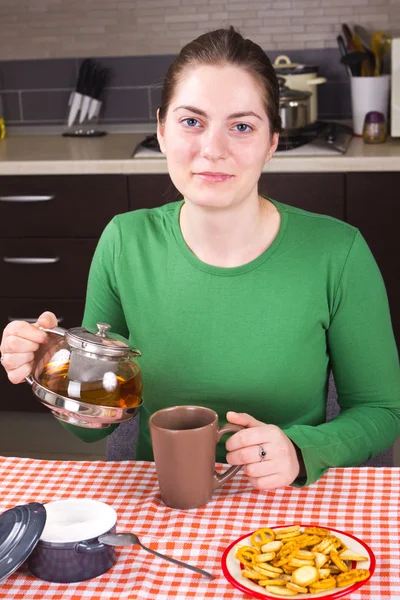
278, 468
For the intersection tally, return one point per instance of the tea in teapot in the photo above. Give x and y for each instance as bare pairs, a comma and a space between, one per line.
88, 378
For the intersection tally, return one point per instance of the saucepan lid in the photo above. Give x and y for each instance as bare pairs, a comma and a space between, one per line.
284, 66
20, 530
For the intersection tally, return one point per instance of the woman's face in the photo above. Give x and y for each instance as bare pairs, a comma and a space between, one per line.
216, 136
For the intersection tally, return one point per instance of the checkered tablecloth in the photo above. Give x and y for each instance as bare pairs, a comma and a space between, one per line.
362, 501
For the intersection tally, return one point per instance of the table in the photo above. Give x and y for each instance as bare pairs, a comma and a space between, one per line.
362, 501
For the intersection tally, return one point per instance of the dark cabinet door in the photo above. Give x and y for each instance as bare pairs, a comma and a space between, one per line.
45, 268
373, 205
322, 193
60, 206
317, 192
150, 191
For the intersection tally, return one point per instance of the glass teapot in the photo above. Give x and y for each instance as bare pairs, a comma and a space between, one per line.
88, 378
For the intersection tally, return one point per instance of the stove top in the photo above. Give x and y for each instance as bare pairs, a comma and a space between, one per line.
331, 135
319, 138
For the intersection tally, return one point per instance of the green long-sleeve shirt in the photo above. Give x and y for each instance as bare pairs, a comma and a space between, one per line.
259, 338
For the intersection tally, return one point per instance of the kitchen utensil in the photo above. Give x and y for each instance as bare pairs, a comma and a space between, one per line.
59, 540
99, 85
374, 131
89, 378
184, 440
364, 36
301, 77
368, 94
294, 107
381, 43
354, 60
89, 85
343, 51
232, 570
130, 539
77, 96
348, 37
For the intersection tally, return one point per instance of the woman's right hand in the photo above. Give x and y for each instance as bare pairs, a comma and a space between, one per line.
19, 343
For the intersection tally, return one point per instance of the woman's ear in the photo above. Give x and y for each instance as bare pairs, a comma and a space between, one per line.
160, 132
273, 147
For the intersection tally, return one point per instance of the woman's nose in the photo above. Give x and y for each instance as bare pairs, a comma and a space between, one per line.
214, 146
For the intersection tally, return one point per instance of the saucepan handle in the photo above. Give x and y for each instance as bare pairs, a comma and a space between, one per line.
219, 479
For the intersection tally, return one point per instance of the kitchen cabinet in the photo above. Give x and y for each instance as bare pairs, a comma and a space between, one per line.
49, 228
317, 192
372, 205
58, 220
322, 193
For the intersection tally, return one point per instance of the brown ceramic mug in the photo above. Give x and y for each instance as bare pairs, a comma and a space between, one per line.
184, 440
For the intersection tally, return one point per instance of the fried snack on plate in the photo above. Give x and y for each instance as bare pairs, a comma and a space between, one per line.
262, 536
296, 588
351, 577
349, 555
305, 576
290, 560
280, 591
272, 546
317, 531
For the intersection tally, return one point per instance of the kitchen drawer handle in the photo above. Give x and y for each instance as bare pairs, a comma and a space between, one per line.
30, 319
28, 260
23, 198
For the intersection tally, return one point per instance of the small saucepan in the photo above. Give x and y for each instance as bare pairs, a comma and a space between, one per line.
58, 541
294, 107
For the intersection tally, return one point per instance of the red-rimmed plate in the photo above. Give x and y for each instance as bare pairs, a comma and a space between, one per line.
231, 568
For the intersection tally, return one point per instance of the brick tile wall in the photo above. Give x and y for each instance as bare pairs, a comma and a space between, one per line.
71, 28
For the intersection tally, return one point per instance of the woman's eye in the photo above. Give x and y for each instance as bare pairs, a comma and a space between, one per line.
243, 128
191, 122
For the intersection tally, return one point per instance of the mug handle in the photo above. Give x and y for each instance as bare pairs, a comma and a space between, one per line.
220, 479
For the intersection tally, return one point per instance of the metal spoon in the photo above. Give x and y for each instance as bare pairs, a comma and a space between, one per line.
130, 539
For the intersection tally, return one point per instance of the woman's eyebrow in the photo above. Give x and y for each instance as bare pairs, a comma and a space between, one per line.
237, 115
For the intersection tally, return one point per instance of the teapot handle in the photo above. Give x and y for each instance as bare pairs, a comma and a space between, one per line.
58, 331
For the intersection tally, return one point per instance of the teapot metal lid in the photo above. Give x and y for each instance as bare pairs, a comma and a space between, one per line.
100, 341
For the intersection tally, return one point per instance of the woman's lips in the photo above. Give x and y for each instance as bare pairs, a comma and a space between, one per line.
213, 177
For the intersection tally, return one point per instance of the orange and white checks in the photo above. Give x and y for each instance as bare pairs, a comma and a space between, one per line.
361, 501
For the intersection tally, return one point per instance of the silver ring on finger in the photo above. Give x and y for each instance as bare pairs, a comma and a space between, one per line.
1, 358
261, 452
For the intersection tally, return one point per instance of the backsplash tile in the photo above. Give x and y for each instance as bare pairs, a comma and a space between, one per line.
51, 105
38, 74
43, 43
38, 91
127, 105
11, 106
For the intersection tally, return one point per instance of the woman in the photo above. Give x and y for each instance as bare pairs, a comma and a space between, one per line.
239, 302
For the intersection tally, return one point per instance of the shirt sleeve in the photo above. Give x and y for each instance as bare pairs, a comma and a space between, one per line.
103, 305
365, 365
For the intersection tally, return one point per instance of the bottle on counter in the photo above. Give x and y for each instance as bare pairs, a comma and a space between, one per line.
374, 131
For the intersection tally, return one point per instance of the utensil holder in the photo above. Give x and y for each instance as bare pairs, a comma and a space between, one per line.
368, 94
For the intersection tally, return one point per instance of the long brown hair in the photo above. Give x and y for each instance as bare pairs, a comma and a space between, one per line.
226, 47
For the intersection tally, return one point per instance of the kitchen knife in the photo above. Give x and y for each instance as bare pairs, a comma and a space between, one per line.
343, 51
99, 84
76, 97
88, 91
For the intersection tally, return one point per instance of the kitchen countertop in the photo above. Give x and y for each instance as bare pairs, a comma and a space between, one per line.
57, 155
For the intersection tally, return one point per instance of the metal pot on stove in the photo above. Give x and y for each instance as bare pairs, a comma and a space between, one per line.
88, 377
294, 107
301, 77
